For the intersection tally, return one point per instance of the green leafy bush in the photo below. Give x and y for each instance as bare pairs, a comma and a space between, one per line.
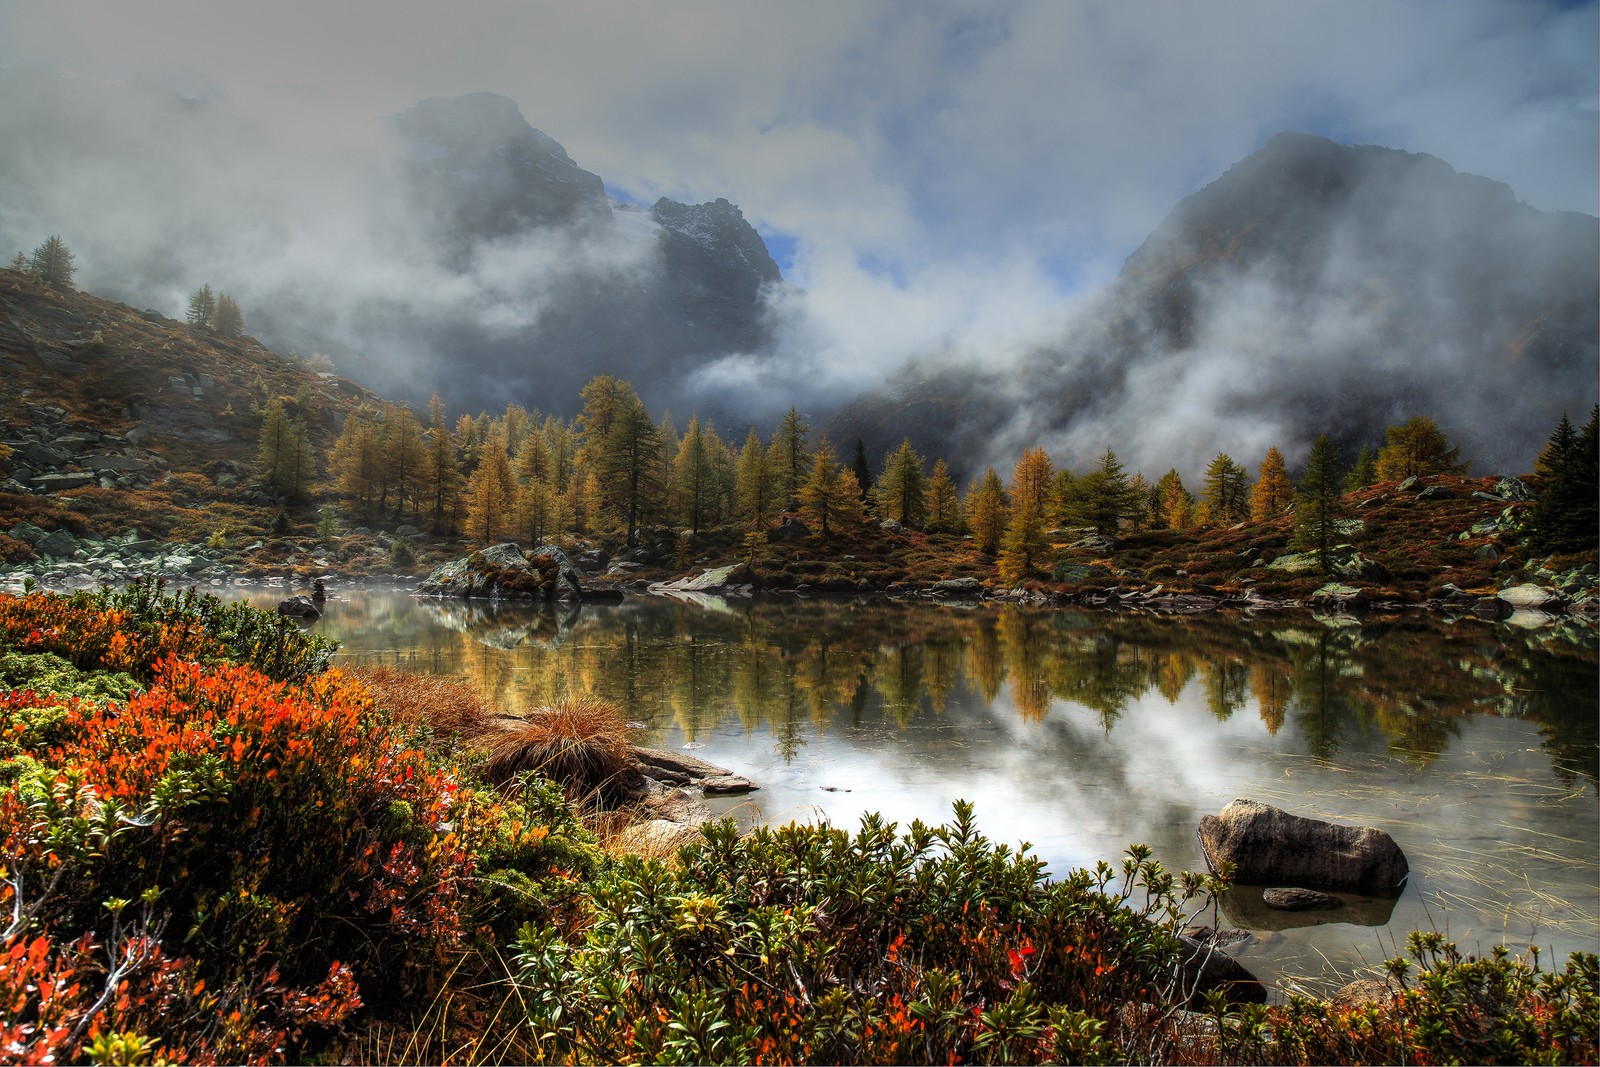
1446, 1007
808, 944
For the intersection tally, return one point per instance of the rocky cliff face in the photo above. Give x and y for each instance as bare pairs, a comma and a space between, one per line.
1313, 287
487, 174
454, 248
647, 296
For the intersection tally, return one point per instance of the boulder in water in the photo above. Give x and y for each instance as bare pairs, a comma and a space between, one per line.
1269, 846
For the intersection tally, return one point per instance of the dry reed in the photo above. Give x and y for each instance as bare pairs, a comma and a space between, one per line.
450, 706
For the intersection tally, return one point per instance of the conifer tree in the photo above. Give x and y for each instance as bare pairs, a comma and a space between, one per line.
756, 489
357, 463
535, 511
229, 320
404, 461
1032, 481
52, 263
788, 454
559, 444
693, 478
1417, 447
468, 440
272, 443
1176, 504
202, 308
19, 263
863, 473
1023, 545
902, 490
442, 476
515, 421
1063, 496
1227, 492
1138, 516
987, 511
491, 493
1566, 512
944, 506
1273, 492
625, 462
285, 461
1106, 497
1316, 509
1364, 472
532, 463
830, 499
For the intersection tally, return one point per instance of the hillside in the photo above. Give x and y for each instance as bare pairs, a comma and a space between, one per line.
124, 420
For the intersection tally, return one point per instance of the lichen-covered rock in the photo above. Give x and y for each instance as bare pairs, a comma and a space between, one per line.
1528, 596
1269, 846
505, 572
1341, 599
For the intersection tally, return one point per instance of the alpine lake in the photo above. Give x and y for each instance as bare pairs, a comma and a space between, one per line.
1474, 744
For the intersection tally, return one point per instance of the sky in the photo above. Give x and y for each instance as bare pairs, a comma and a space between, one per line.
1035, 142
931, 176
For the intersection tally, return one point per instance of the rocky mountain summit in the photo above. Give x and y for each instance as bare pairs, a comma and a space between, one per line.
490, 174
648, 296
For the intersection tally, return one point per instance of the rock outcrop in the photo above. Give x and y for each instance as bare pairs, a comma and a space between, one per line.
505, 572
1269, 846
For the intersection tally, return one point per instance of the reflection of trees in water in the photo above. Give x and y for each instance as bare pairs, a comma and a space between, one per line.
793, 666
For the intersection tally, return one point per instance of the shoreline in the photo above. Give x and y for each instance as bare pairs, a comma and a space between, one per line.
1355, 606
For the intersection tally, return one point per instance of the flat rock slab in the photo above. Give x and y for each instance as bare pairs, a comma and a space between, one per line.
727, 785
677, 806
1299, 900
689, 768
1270, 847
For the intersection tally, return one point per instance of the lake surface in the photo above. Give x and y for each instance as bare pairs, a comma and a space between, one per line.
1473, 744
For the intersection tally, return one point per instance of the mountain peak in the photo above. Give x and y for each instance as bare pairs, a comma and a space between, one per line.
477, 159
719, 231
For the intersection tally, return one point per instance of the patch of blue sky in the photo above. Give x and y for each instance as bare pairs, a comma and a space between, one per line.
782, 247
627, 198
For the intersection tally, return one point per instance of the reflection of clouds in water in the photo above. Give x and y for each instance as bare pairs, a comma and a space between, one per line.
1080, 794
1075, 791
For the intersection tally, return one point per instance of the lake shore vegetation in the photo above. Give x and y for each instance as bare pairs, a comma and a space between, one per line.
217, 848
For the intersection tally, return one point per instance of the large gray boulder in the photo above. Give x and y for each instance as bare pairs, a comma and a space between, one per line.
1269, 846
505, 572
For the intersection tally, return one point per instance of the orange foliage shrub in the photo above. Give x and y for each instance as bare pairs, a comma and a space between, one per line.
227, 867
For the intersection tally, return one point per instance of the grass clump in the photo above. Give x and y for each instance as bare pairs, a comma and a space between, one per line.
581, 742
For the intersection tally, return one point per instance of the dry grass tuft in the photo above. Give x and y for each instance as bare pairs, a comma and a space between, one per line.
580, 743
448, 705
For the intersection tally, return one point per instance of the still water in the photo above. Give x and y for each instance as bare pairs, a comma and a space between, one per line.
1473, 744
